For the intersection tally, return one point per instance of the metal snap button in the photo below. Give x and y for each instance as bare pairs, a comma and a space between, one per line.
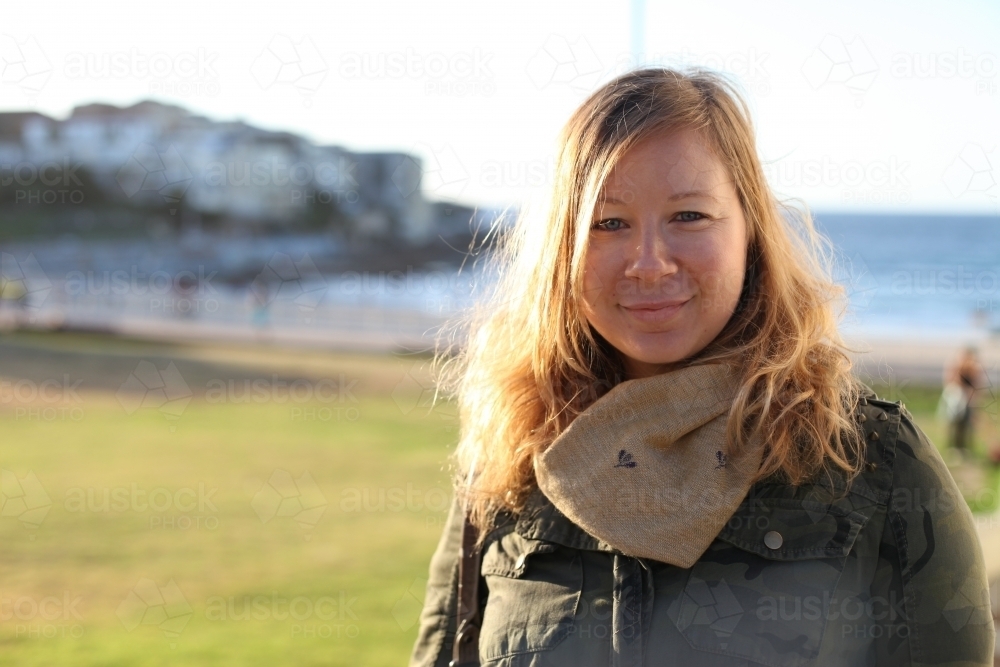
773, 539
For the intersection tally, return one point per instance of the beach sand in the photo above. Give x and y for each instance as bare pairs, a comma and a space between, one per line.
920, 361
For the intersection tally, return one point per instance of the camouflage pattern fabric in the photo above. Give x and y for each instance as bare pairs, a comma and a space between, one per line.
888, 572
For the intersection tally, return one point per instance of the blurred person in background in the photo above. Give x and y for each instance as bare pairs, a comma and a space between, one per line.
963, 378
665, 457
12, 297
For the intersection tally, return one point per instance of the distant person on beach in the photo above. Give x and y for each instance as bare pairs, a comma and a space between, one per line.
12, 298
962, 379
259, 299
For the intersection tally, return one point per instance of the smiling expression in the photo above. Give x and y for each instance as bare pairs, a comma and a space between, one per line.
666, 254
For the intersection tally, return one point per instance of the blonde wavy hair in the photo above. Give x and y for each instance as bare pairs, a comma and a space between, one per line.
530, 363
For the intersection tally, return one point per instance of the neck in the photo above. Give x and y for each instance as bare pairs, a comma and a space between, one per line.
637, 370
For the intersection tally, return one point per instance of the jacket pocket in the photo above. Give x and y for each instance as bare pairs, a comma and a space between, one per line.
534, 589
764, 589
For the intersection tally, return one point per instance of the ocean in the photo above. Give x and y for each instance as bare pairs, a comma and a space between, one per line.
918, 276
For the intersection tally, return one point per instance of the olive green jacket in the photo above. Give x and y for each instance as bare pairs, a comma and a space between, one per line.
890, 573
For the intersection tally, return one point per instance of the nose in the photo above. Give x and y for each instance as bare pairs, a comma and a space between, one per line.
651, 258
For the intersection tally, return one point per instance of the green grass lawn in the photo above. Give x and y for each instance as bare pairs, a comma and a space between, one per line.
287, 522
340, 587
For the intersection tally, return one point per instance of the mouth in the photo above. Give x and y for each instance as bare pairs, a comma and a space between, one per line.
656, 312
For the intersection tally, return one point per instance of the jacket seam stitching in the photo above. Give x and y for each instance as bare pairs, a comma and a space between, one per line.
906, 577
835, 552
903, 550
443, 619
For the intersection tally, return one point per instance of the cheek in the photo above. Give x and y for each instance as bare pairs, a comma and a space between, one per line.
719, 274
598, 278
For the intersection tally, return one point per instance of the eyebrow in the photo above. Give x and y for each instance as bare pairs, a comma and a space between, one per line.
680, 195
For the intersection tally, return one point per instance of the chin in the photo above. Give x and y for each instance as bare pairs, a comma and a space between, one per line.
660, 353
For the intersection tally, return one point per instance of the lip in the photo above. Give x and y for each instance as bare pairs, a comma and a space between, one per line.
655, 311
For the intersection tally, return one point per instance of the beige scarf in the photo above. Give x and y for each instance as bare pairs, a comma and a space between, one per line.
645, 469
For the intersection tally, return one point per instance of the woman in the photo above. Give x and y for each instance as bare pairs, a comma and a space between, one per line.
664, 454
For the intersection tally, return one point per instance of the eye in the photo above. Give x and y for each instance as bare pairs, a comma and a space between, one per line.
608, 224
689, 216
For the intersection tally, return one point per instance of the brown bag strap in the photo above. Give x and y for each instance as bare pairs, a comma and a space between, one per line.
465, 649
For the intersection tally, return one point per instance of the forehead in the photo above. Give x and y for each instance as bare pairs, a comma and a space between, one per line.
676, 161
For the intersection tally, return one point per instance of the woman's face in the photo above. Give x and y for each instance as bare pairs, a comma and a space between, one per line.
666, 254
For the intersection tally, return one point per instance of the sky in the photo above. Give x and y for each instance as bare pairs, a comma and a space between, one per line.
859, 106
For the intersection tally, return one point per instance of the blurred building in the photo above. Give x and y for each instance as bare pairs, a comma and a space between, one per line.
157, 157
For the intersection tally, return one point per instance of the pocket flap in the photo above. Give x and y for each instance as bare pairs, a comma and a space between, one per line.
508, 556
793, 529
